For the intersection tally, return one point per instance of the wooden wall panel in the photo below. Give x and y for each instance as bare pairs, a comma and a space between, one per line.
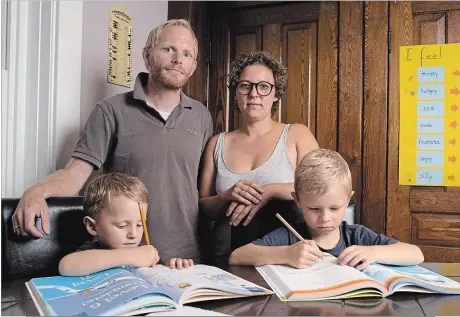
430, 28
440, 254
375, 115
435, 202
351, 93
436, 230
433, 6
243, 41
294, 12
218, 91
453, 29
195, 12
271, 39
327, 83
299, 44
453, 36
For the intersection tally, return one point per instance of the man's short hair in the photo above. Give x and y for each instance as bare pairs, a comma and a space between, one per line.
103, 188
154, 35
320, 170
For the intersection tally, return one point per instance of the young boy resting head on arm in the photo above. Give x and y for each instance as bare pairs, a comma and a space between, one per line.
323, 189
111, 203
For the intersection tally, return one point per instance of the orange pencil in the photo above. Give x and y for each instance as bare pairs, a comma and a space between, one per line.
291, 229
146, 232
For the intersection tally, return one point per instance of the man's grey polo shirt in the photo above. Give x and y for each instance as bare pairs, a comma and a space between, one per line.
123, 134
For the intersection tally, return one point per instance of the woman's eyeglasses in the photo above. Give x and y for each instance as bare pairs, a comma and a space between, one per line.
263, 88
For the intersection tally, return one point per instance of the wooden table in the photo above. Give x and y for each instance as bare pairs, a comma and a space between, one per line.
16, 300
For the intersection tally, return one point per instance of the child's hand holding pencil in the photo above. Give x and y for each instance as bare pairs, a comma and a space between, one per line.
304, 253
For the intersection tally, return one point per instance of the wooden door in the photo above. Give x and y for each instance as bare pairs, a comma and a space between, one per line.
304, 36
426, 216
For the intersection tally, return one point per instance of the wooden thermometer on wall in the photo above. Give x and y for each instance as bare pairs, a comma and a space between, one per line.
119, 70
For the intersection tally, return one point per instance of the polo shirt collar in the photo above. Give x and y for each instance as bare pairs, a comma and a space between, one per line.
141, 84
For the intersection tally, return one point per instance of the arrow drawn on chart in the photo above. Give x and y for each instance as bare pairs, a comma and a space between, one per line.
453, 124
451, 178
455, 91
454, 108
452, 159
452, 141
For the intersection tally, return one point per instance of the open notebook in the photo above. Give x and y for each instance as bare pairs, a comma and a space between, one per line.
131, 291
327, 280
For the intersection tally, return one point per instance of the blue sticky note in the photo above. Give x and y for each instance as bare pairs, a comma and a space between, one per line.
431, 74
430, 125
432, 159
429, 177
430, 108
430, 91
430, 142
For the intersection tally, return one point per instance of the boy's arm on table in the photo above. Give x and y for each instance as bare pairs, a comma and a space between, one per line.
256, 255
361, 256
399, 253
299, 255
91, 261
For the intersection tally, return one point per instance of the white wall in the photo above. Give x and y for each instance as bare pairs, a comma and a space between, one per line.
41, 85
54, 74
145, 15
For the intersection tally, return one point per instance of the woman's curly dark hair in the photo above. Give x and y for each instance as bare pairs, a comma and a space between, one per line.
260, 58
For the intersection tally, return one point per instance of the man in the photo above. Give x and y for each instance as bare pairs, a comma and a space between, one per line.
154, 132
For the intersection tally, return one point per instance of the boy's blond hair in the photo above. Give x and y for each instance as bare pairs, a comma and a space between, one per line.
100, 190
320, 170
154, 35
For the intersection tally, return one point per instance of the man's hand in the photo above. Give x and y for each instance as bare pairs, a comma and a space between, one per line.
178, 263
357, 254
31, 206
143, 256
62, 183
304, 254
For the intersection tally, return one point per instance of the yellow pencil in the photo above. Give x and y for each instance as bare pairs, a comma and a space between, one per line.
146, 232
291, 229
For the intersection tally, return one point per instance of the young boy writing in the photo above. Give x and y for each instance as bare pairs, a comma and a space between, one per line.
112, 205
323, 189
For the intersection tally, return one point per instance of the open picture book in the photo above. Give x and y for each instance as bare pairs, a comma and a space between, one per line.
328, 280
132, 291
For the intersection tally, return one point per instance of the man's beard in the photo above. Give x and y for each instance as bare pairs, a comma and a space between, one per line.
170, 82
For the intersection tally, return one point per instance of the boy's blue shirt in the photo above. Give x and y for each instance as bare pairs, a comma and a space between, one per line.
90, 245
349, 235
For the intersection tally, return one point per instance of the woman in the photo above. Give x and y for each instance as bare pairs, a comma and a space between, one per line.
248, 174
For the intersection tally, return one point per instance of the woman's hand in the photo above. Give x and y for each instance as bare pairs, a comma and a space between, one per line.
237, 211
244, 192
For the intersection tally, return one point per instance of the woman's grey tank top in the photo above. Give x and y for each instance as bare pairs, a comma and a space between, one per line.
277, 169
